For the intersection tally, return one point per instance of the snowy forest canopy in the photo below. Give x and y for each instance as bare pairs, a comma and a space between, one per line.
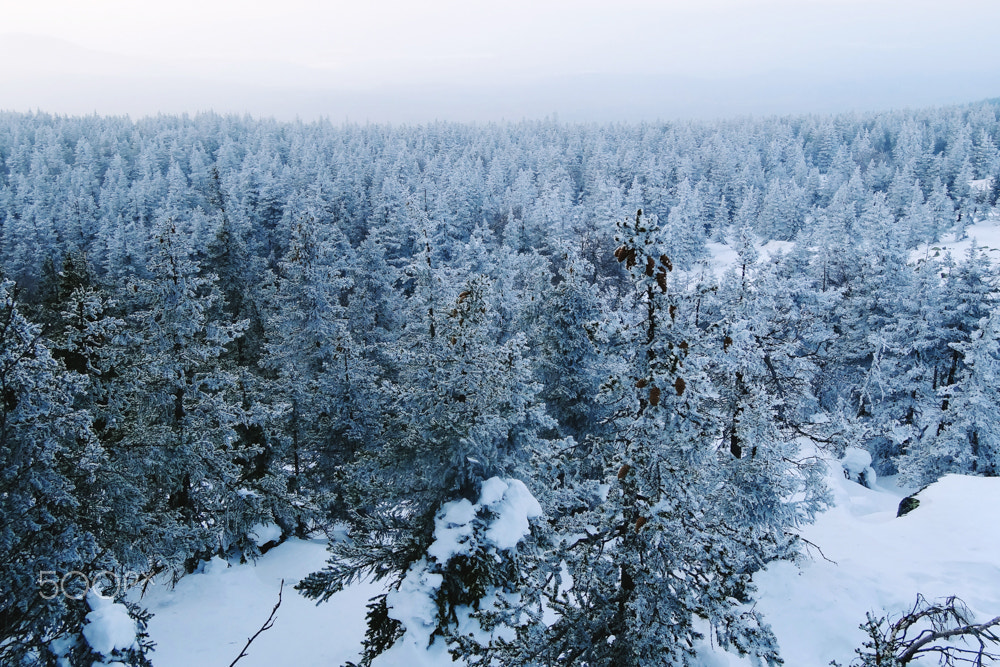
500, 355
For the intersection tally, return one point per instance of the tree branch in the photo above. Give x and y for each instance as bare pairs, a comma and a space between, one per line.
268, 624
978, 631
816, 547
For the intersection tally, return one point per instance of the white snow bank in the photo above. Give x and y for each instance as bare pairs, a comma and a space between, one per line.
413, 605
723, 256
207, 618
985, 234
873, 561
877, 562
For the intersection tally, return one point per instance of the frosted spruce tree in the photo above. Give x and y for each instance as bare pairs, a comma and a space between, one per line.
323, 385
571, 364
50, 514
177, 443
433, 493
967, 440
702, 491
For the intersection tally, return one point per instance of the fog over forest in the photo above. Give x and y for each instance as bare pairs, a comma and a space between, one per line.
390, 61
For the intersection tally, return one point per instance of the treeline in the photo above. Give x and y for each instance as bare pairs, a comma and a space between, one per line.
214, 323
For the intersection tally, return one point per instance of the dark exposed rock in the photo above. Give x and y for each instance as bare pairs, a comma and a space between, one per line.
907, 505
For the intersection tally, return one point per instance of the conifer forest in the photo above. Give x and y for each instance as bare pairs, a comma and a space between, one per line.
500, 366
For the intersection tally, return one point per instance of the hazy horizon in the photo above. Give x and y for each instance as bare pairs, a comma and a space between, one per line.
470, 61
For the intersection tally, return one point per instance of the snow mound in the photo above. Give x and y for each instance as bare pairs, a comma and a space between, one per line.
413, 604
508, 502
207, 617
857, 464
514, 511
262, 533
985, 234
108, 627
452, 530
722, 257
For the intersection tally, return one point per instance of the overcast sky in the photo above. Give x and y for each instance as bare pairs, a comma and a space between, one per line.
417, 60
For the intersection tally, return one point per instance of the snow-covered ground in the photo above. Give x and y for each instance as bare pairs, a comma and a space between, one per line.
985, 234
722, 256
870, 561
873, 561
206, 619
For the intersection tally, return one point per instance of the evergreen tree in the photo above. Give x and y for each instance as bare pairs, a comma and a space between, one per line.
689, 515
570, 360
967, 441
463, 410
324, 385
176, 442
51, 463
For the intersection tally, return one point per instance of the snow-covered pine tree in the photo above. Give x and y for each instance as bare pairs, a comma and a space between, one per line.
176, 440
688, 516
324, 387
50, 463
967, 440
242, 281
930, 312
462, 422
375, 303
570, 352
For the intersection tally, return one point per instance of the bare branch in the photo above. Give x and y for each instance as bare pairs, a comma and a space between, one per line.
979, 631
935, 625
268, 624
816, 547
